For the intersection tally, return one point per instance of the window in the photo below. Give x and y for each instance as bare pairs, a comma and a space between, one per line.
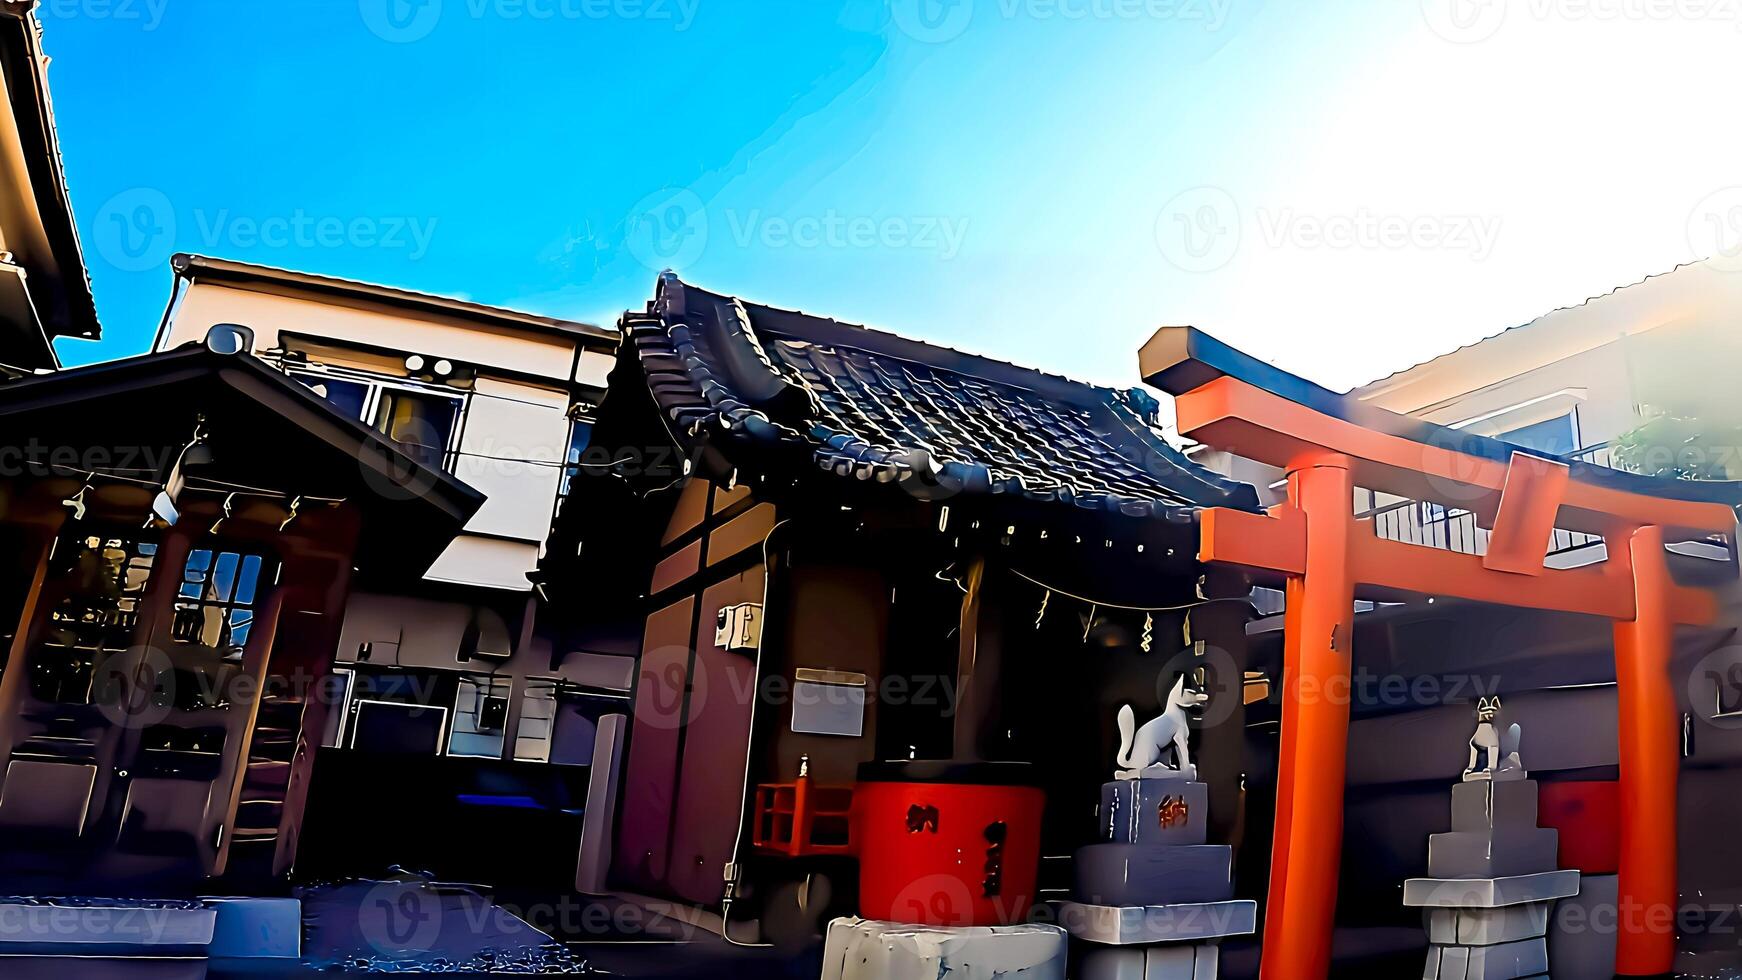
1556, 436
350, 397
421, 423
102, 579
216, 601
480, 717
422, 420
580, 437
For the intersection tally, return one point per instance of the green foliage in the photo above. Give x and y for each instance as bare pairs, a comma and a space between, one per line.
1683, 448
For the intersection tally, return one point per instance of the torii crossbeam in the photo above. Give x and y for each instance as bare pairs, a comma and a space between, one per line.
1326, 557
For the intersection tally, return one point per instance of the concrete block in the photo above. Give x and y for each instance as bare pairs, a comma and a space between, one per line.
1189, 923
1127, 963
1486, 927
1432, 970
256, 928
1135, 874
861, 949
1155, 811
1497, 853
1507, 961
1488, 893
1208, 964
1169, 963
105, 929
1454, 963
1484, 803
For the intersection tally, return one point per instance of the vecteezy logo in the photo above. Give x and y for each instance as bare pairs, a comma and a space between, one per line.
1715, 688
135, 230
1199, 230
932, 21
668, 229
1715, 229
1464, 21
399, 918
400, 21
135, 689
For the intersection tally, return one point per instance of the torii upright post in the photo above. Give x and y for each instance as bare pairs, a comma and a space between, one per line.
1650, 760
1325, 555
1320, 622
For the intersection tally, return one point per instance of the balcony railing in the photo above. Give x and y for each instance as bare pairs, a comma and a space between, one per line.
1454, 529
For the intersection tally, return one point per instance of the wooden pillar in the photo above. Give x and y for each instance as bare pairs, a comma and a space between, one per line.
976, 670
1650, 758
1318, 627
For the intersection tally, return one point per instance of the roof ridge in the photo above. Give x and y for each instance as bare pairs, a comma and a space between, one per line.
1587, 301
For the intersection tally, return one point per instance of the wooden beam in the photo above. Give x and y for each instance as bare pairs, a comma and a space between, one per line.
1273, 544
1530, 500
1237, 417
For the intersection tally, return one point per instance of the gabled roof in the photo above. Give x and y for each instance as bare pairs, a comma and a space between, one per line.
872, 406
265, 430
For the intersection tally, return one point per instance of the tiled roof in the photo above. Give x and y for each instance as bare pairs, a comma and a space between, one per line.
874, 406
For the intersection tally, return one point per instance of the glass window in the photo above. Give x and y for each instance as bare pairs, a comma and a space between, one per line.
580, 437
349, 397
102, 578
216, 600
480, 717
421, 423
1554, 436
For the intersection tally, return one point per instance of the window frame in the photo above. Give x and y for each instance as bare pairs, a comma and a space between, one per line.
377, 383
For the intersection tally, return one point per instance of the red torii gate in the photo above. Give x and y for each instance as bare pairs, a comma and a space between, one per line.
1328, 445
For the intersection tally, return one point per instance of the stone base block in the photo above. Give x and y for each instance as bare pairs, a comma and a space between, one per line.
1487, 927
256, 928
861, 949
1134, 875
1492, 853
1489, 893
1155, 811
1192, 962
98, 928
1190, 923
1484, 804
1506, 961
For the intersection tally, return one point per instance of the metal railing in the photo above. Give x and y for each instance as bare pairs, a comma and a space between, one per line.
1435, 525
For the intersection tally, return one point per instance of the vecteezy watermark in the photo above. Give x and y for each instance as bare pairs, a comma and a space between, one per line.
833, 230
146, 14
137, 230
938, 21
404, 21
1471, 21
1715, 228
671, 229
675, 687
667, 229
1202, 229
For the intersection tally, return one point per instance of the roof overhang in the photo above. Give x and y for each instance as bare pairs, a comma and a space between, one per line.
41, 233
264, 429
201, 268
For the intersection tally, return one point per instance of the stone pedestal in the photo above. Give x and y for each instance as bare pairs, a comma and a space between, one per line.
861, 949
1152, 899
1494, 883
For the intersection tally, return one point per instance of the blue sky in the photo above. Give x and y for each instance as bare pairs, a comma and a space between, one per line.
1343, 187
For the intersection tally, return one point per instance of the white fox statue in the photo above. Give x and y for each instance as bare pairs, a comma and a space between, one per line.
1143, 748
